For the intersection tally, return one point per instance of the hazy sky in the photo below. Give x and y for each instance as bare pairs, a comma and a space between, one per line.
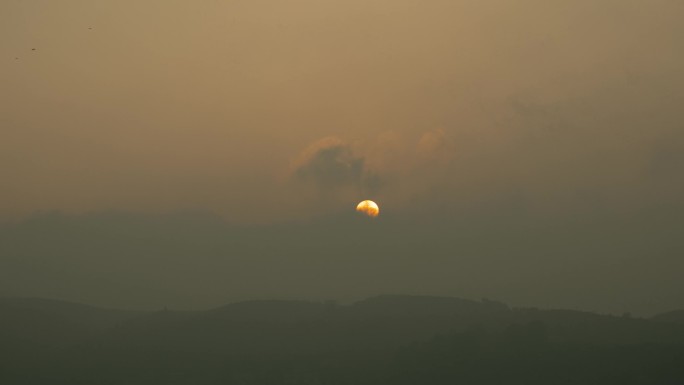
557, 123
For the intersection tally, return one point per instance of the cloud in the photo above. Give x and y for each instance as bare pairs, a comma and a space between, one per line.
388, 167
329, 163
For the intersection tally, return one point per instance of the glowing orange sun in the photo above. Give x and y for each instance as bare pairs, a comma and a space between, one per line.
369, 208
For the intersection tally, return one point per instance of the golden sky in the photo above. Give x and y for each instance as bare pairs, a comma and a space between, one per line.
201, 152
214, 105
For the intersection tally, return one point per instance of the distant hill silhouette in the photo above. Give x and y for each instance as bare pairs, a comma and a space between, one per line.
388, 339
49, 322
671, 316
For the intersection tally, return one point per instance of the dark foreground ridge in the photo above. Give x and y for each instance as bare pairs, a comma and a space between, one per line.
381, 340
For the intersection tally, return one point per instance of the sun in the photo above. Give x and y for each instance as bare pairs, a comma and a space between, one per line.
368, 208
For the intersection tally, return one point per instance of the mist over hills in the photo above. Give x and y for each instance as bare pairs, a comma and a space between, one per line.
195, 260
386, 339
198, 272
187, 173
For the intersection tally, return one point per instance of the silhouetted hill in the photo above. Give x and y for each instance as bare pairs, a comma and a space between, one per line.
34, 329
268, 311
387, 339
52, 322
84, 315
672, 316
523, 354
291, 327
408, 305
